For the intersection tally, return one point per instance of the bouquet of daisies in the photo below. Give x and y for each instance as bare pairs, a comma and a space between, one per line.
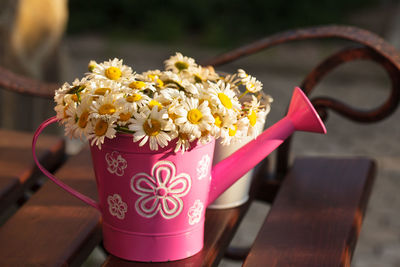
183, 104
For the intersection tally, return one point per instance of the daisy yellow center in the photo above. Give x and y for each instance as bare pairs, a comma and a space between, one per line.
160, 83
152, 127
225, 100
252, 118
83, 119
180, 65
101, 128
197, 78
154, 103
194, 116
218, 121
137, 85
250, 86
232, 131
113, 73
107, 109
133, 98
124, 116
102, 91
75, 98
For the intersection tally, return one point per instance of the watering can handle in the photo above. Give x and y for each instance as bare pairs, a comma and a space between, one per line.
67, 188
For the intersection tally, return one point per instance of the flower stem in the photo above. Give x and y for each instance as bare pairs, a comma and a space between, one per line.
242, 95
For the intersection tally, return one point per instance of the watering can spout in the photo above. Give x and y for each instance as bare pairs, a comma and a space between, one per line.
301, 116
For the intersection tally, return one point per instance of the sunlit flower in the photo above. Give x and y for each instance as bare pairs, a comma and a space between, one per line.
153, 76
194, 118
256, 117
185, 104
183, 143
101, 128
68, 96
78, 120
253, 85
152, 127
113, 70
234, 132
98, 88
134, 100
179, 63
224, 99
105, 107
243, 76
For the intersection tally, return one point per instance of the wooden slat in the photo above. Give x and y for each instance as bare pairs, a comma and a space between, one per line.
53, 228
317, 215
219, 230
17, 169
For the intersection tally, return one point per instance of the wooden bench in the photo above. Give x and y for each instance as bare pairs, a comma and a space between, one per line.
318, 204
18, 171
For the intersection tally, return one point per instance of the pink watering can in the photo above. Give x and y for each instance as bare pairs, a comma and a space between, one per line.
153, 202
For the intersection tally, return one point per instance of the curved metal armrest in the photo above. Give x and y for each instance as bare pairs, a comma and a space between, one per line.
27, 86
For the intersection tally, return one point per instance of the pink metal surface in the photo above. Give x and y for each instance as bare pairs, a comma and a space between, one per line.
153, 202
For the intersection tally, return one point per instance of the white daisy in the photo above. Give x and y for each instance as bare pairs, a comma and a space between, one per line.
172, 80
256, 114
179, 63
141, 85
234, 132
105, 107
253, 85
98, 88
113, 70
243, 76
125, 111
205, 73
68, 96
216, 127
157, 101
101, 128
135, 98
92, 64
152, 127
193, 119
183, 143
153, 76
191, 88
61, 110
223, 98
78, 120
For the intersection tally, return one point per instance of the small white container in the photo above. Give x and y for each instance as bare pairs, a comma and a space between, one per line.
238, 193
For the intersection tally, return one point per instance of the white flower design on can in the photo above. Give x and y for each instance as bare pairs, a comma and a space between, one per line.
161, 191
195, 212
202, 167
116, 206
116, 163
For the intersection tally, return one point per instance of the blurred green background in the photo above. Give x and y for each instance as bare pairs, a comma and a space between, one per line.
224, 23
